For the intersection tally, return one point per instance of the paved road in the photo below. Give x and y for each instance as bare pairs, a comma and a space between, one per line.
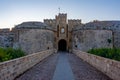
63, 69
63, 66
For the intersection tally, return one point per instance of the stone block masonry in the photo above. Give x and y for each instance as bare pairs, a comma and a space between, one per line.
9, 70
109, 67
34, 40
88, 39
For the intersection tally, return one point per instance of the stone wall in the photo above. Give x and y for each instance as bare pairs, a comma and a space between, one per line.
72, 23
114, 26
109, 67
34, 40
116, 34
88, 39
13, 68
51, 22
6, 38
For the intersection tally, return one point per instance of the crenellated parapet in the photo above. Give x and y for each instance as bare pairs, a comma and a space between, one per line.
62, 15
73, 23
50, 22
6, 30
33, 25
61, 19
99, 25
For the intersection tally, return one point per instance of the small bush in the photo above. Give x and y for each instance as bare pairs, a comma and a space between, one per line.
109, 41
112, 53
10, 53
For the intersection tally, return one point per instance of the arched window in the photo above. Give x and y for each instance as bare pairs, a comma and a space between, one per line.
62, 30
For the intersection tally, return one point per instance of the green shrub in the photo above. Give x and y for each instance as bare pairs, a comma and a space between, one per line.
112, 53
10, 53
3, 55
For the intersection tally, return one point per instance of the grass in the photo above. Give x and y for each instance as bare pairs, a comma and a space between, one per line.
10, 53
111, 53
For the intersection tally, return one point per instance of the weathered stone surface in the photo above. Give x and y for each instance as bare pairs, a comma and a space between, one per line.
116, 38
109, 67
84, 71
114, 26
99, 25
6, 38
35, 40
44, 70
88, 39
11, 69
33, 25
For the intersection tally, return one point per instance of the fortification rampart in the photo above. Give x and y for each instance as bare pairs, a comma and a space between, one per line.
89, 39
34, 40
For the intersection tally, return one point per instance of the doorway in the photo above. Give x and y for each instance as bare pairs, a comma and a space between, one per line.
62, 45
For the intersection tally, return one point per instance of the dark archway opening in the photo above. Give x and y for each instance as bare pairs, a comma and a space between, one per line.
62, 45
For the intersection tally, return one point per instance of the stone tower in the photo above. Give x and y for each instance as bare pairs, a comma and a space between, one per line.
62, 32
63, 28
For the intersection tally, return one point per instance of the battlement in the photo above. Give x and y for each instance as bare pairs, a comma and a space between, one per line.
74, 21
4, 30
62, 14
50, 21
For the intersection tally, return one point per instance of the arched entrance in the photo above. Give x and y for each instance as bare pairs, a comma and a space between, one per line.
62, 45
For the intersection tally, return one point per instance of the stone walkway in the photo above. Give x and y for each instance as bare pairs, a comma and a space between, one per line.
63, 66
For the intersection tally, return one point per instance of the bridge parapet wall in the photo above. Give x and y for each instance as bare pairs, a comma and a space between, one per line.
9, 70
109, 67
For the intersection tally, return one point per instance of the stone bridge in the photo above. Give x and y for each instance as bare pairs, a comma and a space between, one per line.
52, 65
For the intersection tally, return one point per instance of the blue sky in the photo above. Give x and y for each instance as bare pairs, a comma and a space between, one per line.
13, 12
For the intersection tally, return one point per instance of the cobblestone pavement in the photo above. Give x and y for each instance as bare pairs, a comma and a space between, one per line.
84, 71
42, 71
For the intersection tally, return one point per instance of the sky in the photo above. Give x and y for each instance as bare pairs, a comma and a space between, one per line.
14, 12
